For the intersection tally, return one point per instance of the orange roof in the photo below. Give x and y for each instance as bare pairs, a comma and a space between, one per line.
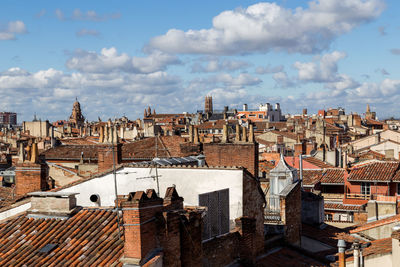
374, 171
378, 223
90, 237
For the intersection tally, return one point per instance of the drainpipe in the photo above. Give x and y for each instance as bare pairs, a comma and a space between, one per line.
356, 247
341, 248
301, 169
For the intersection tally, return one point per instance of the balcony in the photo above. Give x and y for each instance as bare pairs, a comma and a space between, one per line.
358, 196
333, 196
272, 211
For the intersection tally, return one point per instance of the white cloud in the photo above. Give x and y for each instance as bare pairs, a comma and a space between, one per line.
322, 69
87, 32
89, 15
218, 65
267, 26
104, 93
269, 69
12, 28
109, 60
282, 80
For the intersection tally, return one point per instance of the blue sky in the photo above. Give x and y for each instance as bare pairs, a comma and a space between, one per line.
119, 57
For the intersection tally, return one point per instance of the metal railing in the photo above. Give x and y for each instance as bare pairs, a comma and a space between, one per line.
272, 211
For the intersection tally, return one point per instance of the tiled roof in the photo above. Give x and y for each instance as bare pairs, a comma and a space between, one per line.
328, 235
287, 257
370, 154
90, 140
317, 162
374, 171
377, 247
219, 124
373, 122
167, 146
266, 166
89, 238
286, 134
378, 223
341, 206
396, 177
311, 177
333, 176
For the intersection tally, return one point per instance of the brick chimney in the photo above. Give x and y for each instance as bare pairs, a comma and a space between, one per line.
233, 154
237, 136
244, 134
30, 177
139, 215
106, 157
172, 201
251, 133
225, 135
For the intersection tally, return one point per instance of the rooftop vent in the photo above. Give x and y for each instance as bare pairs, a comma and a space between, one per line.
49, 247
52, 204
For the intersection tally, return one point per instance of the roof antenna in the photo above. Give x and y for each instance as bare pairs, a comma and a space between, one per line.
115, 187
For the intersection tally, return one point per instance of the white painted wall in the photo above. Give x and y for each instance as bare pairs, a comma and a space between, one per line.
15, 210
189, 182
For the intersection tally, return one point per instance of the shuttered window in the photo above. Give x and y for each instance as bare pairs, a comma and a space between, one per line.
216, 220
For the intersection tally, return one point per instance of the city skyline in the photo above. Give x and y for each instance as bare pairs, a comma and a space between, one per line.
122, 57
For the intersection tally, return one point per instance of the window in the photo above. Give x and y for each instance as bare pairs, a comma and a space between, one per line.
216, 221
398, 188
252, 115
260, 116
365, 188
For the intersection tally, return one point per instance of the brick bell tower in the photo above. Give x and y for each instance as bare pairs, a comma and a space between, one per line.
77, 119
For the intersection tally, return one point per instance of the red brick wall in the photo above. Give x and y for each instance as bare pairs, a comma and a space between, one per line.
253, 200
30, 177
169, 236
139, 231
191, 239
233, 154
222, 250
291, 215
105, 157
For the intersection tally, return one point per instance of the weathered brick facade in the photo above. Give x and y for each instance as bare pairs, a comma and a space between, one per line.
290, 206
139, 212
151, 224
253, 201
30, 177
105, 156
223, 250
233, 154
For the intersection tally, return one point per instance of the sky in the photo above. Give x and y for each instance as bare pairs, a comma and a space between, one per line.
118, 57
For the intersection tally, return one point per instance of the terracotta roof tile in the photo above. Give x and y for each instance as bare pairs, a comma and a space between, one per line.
287, 257
343, 207
374, 171
88, 238
167, 146
311, 177
328, 235
377, 247
378, 223
333, 176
